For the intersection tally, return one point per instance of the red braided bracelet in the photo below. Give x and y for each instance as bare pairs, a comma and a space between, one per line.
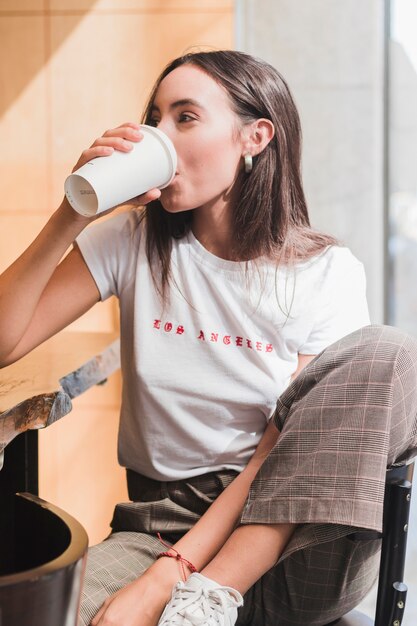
178, 557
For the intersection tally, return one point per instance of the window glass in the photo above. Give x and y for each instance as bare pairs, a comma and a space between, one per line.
402, 166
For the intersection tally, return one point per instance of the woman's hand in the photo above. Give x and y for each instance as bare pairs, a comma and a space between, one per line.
121, 138
141, 602
135, 605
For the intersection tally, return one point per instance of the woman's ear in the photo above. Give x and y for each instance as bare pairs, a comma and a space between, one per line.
258, 134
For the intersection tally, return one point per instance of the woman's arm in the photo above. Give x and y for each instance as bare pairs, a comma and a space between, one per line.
141, 603
212, 530
205, 539
39, 295
303, 360
132, 605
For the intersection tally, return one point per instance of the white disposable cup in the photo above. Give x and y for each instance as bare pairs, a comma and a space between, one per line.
105, 182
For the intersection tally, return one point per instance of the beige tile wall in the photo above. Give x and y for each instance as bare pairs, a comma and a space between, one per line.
70, 69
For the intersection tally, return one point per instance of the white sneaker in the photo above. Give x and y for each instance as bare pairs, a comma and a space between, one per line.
200, 601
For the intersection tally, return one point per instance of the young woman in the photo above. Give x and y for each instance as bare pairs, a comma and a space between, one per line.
226, 293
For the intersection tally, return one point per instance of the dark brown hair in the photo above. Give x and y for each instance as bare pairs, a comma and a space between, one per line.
270, 217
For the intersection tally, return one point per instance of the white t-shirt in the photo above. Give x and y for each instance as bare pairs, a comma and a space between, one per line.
202, 376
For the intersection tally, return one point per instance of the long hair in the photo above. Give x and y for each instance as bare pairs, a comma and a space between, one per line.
270, 218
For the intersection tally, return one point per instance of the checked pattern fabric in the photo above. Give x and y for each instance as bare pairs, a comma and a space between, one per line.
350, 414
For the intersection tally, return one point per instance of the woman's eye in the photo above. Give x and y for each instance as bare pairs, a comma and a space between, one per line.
186, 117
153, 122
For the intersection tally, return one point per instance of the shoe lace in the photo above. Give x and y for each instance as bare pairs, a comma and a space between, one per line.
213, 604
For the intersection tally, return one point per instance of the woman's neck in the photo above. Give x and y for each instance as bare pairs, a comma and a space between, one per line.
212, 227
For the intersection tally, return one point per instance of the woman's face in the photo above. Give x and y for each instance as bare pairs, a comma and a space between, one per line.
195, 112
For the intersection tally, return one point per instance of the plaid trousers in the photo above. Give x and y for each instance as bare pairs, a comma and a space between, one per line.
350, 414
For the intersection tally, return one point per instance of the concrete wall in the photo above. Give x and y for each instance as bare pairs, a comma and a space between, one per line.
332, 54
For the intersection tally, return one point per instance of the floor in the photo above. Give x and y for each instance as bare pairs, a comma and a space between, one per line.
410, 576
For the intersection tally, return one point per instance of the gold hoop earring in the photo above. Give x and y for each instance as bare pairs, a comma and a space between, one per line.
248, 162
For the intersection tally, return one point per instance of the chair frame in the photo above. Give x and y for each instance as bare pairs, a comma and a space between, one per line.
392, 591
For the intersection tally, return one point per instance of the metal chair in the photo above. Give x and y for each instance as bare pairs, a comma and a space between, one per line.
392, 591
41, 571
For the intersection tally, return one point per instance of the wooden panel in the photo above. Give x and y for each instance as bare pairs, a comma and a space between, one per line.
72, 69
80, 451
21, 6
164, 6
17, 232
23, 113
